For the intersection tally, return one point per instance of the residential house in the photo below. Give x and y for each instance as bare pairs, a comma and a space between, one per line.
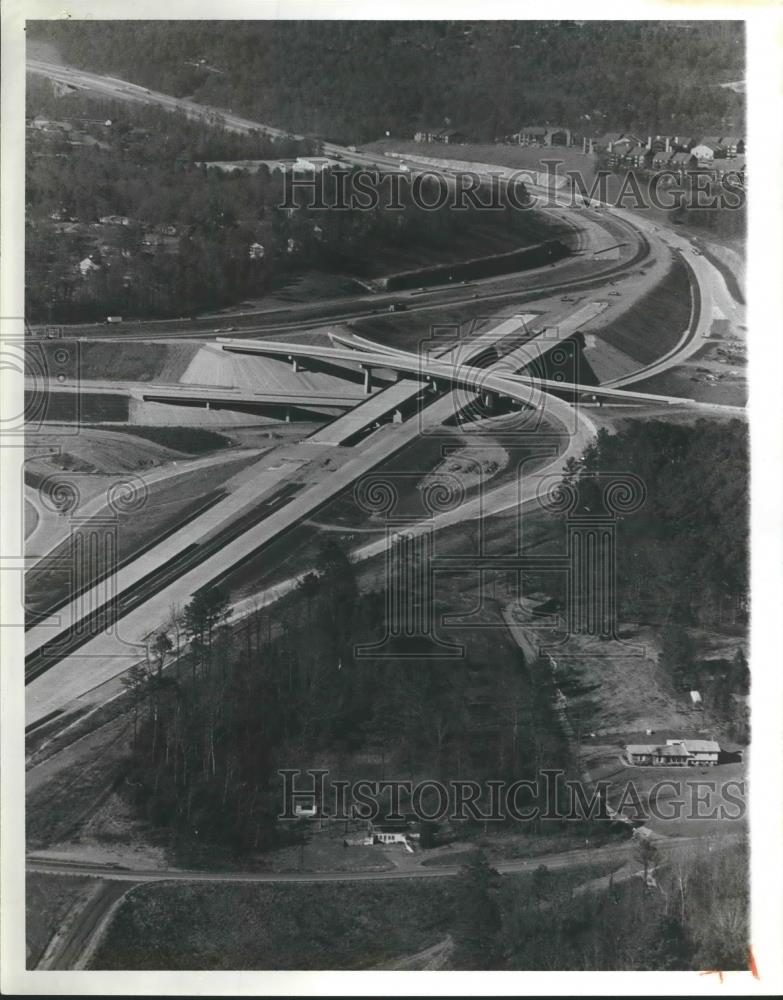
392, 832
544, 135
451, 136
660, 159
609, 142
700, 752
443, 134
649, 754
682, 162
675, 753
708, 148
532, 135
636, 156
683, 143
659, 142
256, 251
620, 149
733, 145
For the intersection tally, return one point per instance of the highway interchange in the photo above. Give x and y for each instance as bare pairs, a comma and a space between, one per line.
96, 663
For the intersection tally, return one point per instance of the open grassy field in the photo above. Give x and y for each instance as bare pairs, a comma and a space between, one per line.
319, 926
111, 359
521, 157
188, 440
95, 451
236, 927
655, 323
93, 407
62, 797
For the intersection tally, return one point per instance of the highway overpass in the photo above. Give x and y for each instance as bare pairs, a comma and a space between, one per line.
222, 397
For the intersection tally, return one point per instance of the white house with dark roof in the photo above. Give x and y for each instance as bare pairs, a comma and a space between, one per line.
699, 752
674, 753
709, 148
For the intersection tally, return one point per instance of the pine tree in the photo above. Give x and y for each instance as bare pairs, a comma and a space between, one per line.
477, 920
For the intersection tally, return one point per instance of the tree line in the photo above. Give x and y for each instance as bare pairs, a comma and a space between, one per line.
219, 706
146, 169
687, 910
355, 80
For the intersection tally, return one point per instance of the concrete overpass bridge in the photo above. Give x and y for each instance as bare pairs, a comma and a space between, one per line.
489, 383
288, 405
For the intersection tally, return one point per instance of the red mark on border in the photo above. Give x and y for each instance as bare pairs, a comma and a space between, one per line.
752, 967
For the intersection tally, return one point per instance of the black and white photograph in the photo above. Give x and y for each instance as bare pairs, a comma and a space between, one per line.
393, 566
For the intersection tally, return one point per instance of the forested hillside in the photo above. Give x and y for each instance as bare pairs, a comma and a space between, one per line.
183, 241
354, 80
683, 556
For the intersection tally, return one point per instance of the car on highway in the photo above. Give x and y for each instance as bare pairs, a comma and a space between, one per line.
615, 293
396, 307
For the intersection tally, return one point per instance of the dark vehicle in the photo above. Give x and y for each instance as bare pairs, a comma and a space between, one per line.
396, 307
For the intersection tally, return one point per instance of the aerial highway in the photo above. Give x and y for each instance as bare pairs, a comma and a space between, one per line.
80, 648
146, 599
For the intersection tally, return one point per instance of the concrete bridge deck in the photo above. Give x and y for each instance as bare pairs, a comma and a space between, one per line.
203, 394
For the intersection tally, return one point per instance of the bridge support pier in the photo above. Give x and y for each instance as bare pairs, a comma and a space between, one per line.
489, 401
295, 364
367, 380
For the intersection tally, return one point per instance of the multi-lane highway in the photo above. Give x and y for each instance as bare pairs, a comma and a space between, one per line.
649, 243
294, 484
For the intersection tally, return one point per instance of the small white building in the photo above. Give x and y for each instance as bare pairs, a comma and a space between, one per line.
87, 266
700, 752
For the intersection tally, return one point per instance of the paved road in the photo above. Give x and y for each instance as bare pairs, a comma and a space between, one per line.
106, 659
618, 850
75, 940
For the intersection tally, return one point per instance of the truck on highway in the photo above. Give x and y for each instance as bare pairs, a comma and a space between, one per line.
114, 319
